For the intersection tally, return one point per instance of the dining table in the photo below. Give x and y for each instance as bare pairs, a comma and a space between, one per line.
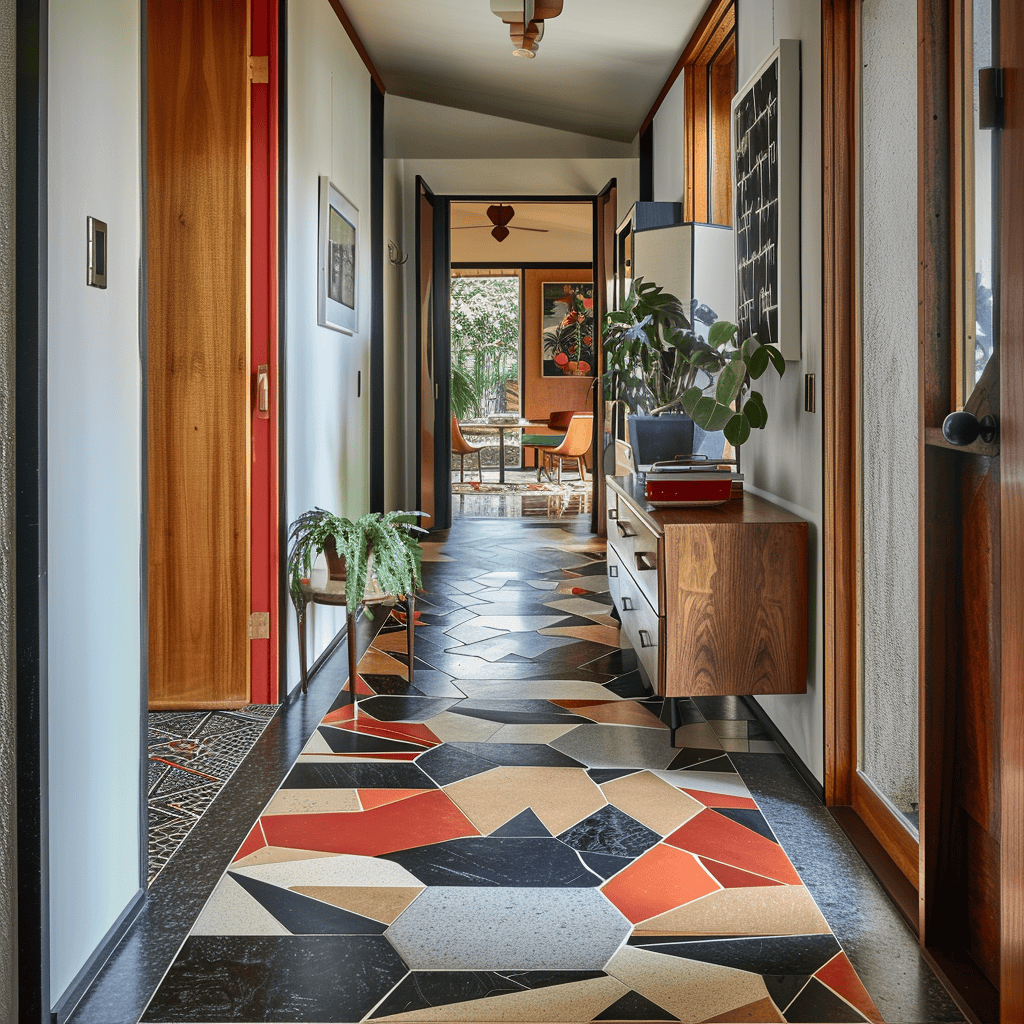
500, 426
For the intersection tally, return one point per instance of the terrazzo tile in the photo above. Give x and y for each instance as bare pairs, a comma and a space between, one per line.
622, 712
607, 635
317, 745
525, 755
817, 1004
612, 831
450, 763
405, 709
375, 902
447, 726
563, 1002
518, 711
764, 1011
633, 1006
370, 798
534, 688
413, 733
287, 978
711, 835
692, 991
734, 878
719, 800
470, 632
276, 855
338, 775
530, 733
604, 865
376, 662
749, 818
345, 741
313, 801
472, 929
518, 623
579, 606
525, 645
657, 882
612, 746
558, 796
774, 910
232, 911
722, 783
784, 954
525, 823
303, 915
254, 841
701, 759
428, 818
331, 870
652, 801
838, 974
538, 862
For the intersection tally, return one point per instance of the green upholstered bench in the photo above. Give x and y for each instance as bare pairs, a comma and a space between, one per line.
538, 441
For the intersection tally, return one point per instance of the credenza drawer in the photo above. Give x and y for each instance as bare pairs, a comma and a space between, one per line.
615, 572
642, 625
637, 547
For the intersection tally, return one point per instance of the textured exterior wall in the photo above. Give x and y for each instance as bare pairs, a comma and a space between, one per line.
889, 396
8, 831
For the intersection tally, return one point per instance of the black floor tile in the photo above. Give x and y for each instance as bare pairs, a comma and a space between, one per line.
305, 979
526, 823
633, 1006
344, 741
818, 1005
405, 709
534, 755
346, 775
447, 764
748, 818
771, 954
611, 831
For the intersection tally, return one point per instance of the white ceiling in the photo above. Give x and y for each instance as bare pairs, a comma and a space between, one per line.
598, 71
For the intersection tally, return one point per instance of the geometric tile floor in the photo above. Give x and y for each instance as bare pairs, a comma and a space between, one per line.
512, 837
191, 755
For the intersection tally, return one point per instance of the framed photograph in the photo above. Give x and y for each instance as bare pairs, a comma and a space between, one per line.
567, 329
766, 201
337, 270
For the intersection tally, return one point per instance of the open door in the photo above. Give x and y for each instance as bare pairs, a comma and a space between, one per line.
604, 282
433, 358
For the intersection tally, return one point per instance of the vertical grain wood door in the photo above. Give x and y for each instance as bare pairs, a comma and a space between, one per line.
604, 277
198, 346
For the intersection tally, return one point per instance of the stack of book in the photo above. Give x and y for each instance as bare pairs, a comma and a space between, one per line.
699, 482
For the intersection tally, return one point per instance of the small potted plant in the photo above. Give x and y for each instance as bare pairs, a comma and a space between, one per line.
390, 536
656, 362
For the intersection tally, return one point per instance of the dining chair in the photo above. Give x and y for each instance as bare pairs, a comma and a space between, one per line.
462, 448
574, 447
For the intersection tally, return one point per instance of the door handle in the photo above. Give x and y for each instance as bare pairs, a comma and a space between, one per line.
613, 571
962, 428
263, 392
625, 530
645, 639
627, 604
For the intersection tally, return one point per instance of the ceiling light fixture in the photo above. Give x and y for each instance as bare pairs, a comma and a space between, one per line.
525, 20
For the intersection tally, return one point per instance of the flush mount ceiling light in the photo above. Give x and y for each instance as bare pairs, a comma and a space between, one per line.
525, 19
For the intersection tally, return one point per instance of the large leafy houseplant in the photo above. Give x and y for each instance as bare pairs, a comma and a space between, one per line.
656, 362
392, 537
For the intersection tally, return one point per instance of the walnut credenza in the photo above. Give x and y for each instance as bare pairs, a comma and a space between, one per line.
713, 598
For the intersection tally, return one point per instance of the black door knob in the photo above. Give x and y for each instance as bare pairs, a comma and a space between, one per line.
964, 427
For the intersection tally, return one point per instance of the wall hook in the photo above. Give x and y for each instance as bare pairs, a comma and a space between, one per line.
395, 256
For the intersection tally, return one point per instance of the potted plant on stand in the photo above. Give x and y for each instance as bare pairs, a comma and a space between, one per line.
657, 363
375, 557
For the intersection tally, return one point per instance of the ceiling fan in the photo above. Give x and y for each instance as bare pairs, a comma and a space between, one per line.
499, 215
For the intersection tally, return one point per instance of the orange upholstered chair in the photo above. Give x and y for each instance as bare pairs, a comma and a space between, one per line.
462, 448
574, 447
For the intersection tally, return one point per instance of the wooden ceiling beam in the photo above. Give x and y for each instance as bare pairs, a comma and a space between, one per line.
346, 23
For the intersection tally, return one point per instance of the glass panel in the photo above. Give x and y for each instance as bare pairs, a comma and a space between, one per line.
980, 335
888, 741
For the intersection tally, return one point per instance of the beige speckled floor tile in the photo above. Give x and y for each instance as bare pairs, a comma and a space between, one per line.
621, 712
313, 801
232, 911
697, 734
317, 744
394, 641
771, 910
531, 733
379, 903
534, 689
652, 801
577, 1001
692, 991
579, 606
337, 869
764, 1011
451, 728
376, 662
595, 634
560, 797
277, 855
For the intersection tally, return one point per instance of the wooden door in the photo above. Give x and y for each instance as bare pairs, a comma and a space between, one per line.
198, 384
433, 362
604, 282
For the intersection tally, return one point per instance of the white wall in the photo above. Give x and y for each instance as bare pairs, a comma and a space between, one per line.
669, 165
328, 449
784, 461
93, 478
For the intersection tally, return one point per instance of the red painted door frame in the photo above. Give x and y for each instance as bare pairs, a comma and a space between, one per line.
263, 519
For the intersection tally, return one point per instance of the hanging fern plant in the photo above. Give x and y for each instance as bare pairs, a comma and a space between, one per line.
391, 536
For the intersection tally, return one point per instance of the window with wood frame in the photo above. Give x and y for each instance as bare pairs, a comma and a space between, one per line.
708, 67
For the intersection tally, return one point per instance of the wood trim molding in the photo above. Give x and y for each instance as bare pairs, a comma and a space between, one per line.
346, 23
840, 46
718, 21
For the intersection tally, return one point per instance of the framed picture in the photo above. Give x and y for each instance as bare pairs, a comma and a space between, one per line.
337, 270
766, 201
567, 329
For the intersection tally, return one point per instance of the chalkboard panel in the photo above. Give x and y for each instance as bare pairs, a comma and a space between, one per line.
766, 182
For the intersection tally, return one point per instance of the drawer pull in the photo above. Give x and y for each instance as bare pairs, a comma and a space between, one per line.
625, 530
613, 571
627, 604
645, 561
613, 513
645, 638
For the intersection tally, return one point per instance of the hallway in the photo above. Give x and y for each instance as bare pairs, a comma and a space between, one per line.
513, 838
